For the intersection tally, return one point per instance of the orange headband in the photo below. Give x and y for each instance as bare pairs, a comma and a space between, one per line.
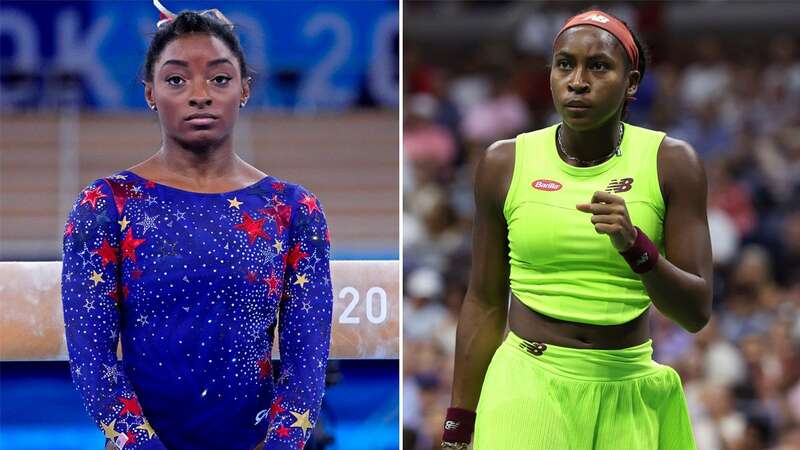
606, 22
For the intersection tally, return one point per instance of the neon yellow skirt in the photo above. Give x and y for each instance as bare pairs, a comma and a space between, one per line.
563, 398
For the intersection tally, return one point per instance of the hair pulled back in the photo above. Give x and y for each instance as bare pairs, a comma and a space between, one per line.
188, 22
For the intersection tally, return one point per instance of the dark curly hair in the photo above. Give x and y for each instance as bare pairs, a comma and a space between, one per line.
193, 22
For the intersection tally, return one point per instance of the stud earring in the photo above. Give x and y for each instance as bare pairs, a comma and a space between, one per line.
242, 103
153, 107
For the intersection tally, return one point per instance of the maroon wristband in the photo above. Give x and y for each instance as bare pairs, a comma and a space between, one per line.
643, 255
458, 425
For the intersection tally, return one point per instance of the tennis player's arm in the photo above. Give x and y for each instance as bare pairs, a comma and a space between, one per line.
681, 284
304, 326
89, 285
484, 312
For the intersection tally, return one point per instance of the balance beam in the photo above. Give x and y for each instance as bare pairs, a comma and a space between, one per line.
366, 311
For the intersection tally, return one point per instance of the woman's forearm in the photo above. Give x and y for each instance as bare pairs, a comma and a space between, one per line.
681, 296
480, 330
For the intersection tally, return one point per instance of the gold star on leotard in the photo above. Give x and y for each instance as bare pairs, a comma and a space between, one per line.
301, 280
146, 427
278, 246
123, 223
109, 430
234, 203
302, 421
97, 278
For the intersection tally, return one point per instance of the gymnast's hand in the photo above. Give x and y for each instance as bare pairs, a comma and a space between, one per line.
610, 216
260, 445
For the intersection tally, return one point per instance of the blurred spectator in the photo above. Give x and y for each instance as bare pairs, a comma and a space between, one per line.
501, 114
706, 79
426, 144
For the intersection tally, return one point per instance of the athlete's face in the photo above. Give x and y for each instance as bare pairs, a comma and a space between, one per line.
589, 79
197, 88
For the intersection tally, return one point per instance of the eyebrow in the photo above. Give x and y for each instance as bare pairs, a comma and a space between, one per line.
211, 63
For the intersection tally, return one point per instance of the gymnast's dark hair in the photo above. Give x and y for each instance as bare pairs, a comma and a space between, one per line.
192, 22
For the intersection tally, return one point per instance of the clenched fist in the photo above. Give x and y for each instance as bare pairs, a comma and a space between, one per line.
610, 216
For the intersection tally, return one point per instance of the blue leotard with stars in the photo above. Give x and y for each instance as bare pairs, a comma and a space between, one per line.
193, 285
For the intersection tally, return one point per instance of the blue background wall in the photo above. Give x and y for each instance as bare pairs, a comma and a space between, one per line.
307, 55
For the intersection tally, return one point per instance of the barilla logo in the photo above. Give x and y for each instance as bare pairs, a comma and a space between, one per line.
597, 18
547, 185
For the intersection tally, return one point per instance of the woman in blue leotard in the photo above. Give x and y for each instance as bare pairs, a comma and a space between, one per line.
191, 259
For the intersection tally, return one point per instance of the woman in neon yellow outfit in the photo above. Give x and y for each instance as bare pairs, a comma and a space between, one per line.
587, 222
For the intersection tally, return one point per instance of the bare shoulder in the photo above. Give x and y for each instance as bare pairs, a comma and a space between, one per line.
501, 153
677, 153
251, 173
498, 159
494, 172
680, 168
146, 169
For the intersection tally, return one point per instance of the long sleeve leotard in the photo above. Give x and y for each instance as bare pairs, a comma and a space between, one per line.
193, 285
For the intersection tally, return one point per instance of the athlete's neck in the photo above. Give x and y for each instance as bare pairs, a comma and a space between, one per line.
590, 145
201, 164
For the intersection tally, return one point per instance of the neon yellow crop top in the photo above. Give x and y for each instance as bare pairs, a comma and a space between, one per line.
560, 266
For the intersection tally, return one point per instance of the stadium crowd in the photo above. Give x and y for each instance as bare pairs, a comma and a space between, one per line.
740, 111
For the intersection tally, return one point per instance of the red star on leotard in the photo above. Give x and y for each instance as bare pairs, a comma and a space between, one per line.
131, 437
281, 213
130, 405
149, 184
92, 196
272, 282
276, 408
264, 368
107, 252
114, 293
68, 230
251, 276
282, 431
278, 186
311, 203
253, 228
129, 246
122, 192
295, 255
137, 273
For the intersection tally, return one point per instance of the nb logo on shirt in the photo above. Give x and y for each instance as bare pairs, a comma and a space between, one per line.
619, 185
597, 18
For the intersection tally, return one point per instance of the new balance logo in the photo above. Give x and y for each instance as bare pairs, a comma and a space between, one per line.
597, 18
451, 425
622, 185
546, 185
